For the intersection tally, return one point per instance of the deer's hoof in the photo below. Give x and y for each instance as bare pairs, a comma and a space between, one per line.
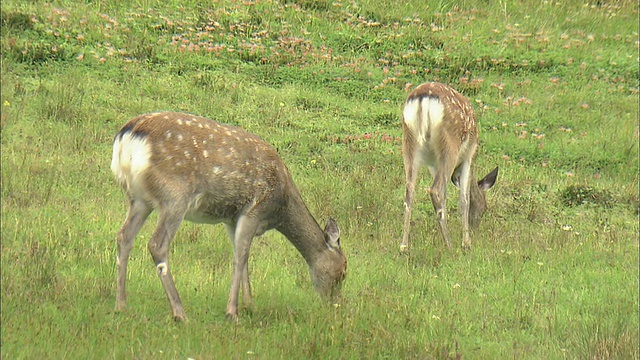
232, 318
120, 307
181, 317
404, 249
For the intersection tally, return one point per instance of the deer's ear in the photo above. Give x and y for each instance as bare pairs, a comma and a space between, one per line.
332, 234
488, 181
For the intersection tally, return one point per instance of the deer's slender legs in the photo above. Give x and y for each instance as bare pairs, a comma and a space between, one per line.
464, 187
438, 193
246, 286
411, 170
245, 230
136, 216
169, 221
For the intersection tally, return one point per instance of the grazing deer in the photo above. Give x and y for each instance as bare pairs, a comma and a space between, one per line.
189, 167
439, 130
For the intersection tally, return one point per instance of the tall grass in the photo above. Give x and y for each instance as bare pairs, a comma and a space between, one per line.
554, 268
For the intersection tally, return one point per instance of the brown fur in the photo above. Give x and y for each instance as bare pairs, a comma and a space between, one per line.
445, 141
204, 171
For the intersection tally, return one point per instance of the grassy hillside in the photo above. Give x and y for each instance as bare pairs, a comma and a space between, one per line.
554, 268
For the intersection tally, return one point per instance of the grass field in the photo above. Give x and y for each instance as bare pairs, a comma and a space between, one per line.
553, 272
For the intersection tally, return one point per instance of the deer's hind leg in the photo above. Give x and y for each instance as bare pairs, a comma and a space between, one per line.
169, 220
438, 193
136, 216
412, 166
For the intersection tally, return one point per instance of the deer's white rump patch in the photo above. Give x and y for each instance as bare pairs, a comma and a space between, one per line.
131, 157
423, 116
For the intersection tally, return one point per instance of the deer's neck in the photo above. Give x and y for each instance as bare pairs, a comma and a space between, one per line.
301, 229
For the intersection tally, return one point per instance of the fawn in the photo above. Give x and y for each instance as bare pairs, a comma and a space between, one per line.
439, 130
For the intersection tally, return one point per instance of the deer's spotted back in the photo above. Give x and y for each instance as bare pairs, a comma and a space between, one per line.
457, 110
180, 155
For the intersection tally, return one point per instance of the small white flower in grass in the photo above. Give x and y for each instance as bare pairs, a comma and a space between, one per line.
567, 227
456, 285
435, 317
540, 263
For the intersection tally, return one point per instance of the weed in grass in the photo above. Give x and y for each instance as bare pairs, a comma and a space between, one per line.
62, 101
575, 195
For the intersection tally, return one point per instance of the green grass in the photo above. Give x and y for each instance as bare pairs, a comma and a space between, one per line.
554, 268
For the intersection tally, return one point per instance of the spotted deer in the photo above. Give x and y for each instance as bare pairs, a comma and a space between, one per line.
439, 130
189, 167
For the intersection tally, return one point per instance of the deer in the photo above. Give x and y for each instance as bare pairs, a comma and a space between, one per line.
192, 168
440, 130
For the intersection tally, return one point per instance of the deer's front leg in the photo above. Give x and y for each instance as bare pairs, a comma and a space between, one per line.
464, 184
245, 230
247, 299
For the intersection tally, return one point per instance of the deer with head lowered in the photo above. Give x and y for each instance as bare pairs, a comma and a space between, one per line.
439, 130
189, 167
